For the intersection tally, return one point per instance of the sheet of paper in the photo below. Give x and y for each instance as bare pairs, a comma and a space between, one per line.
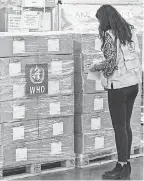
98, 85
14, 22
93, 75
21, 154
99, 142
53, 45
18, 46
56, 148
58, 128
55, 108
18, 112
30, 20
14, 69
95, 123
56, 67
46, 22
98, 44
98, 104
18, 91
53, 87
18, 133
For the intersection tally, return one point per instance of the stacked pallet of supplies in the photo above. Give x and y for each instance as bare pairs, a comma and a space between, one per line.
36, 99
94, 135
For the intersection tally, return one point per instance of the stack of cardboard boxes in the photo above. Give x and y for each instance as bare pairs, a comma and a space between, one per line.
36, 99
93, 129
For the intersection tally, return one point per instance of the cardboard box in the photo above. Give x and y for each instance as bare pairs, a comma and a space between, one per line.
56, 149
55, 106
15, 67
18, 110
58, 65
52, 127
87, 43
91, 43
84, 61
88, 86
94, 143
92, 123
91, 103
18, 154
19, 131
61, 85
20, 88
13, 89
18, 46
55, 43
34, 43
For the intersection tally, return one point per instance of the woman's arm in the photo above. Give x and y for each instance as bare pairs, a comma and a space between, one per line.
109, 52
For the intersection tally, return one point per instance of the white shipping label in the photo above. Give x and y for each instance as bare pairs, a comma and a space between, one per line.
18, 133
18, 91
18, 46
54, 108
56, 67
53, 45
53, 87
18, 112
99, 142
98, 104
56, 148
98, 85
57, 128
97, 44
95, 123
21, 154
14, 69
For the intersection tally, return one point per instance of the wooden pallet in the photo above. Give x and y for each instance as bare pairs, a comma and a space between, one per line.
83, 161
14, 173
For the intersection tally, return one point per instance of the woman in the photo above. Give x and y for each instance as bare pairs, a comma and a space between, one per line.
120, 75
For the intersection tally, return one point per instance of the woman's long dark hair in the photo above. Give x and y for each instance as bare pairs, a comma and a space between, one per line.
110, 19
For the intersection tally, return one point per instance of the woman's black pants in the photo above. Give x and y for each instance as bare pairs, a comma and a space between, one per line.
121, 103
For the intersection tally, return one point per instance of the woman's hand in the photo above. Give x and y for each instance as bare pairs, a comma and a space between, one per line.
92, 68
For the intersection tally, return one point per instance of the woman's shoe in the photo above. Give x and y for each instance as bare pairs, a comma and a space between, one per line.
119, 172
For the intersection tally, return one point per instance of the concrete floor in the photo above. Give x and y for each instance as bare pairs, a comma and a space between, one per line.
92, 173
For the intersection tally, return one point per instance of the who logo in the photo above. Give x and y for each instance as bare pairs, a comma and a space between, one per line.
36, 79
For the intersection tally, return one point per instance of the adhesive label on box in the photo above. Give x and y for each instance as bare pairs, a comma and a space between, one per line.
56, 148
57, 128
56, 67
18, 112
99, 142
53, 87
18, 91
54, 108
98, 104
97, 44
98, 85
53, 45
18, 133
95, 123
18, 46
14, 69
21, 154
